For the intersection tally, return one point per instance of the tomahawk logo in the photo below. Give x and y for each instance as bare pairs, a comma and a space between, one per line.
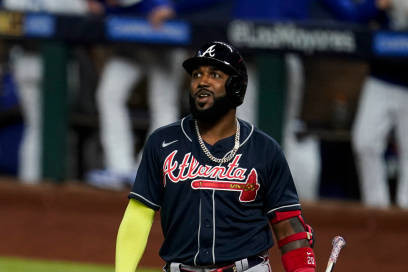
210, 51
248, 190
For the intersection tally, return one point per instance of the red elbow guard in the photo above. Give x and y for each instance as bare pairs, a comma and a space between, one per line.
299, 260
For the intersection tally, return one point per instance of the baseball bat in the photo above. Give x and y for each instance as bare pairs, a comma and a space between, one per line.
338, 243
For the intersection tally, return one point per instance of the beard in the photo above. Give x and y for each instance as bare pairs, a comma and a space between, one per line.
222, 105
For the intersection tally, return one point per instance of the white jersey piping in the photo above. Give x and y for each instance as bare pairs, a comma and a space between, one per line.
213, 245
249, 135
182, 128
145, 199
282, 207
198, 235
213, 202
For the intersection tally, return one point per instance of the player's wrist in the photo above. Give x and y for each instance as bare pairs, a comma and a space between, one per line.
299, 260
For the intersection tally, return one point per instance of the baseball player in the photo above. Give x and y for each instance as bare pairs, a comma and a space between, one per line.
123, 69
382, 106
219, 183
26, 63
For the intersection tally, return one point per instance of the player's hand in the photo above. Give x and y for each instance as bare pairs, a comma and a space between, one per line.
159, 15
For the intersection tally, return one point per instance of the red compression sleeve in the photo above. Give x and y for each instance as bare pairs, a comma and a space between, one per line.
299, 260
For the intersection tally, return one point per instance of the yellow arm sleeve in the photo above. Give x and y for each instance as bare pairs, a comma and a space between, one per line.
132, 236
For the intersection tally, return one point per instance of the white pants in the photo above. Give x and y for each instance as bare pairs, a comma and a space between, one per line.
240, 267
303, 155
27, 69
117, 79
383, 106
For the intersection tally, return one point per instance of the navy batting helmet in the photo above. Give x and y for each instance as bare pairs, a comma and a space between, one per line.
229, 60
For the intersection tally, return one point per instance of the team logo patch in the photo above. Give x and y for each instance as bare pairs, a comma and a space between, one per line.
206, 177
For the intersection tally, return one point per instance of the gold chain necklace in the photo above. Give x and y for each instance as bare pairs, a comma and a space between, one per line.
211, 156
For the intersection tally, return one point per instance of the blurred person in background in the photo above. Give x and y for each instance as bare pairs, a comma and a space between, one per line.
383, 105
27, 69
125, 68
302, 152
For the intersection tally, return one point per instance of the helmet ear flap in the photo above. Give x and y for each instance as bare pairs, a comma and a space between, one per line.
235, 88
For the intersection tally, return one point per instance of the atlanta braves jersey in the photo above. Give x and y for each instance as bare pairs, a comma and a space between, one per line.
213, 213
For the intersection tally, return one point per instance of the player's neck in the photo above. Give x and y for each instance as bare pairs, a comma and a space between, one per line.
223, 128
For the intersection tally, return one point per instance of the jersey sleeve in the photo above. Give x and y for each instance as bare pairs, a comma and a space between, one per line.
147, 187
281, 194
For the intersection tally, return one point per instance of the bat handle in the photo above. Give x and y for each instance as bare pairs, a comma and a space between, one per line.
330, 266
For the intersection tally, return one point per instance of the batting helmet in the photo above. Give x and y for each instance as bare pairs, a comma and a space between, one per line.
229, 60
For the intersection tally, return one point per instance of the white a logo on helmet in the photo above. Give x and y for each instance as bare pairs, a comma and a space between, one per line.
210, 51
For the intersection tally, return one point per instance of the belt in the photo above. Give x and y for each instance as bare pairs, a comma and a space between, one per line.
237, 266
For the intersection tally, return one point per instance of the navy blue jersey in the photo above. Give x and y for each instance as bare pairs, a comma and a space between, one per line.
213, 213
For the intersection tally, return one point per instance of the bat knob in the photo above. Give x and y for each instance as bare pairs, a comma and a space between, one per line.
339, 242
